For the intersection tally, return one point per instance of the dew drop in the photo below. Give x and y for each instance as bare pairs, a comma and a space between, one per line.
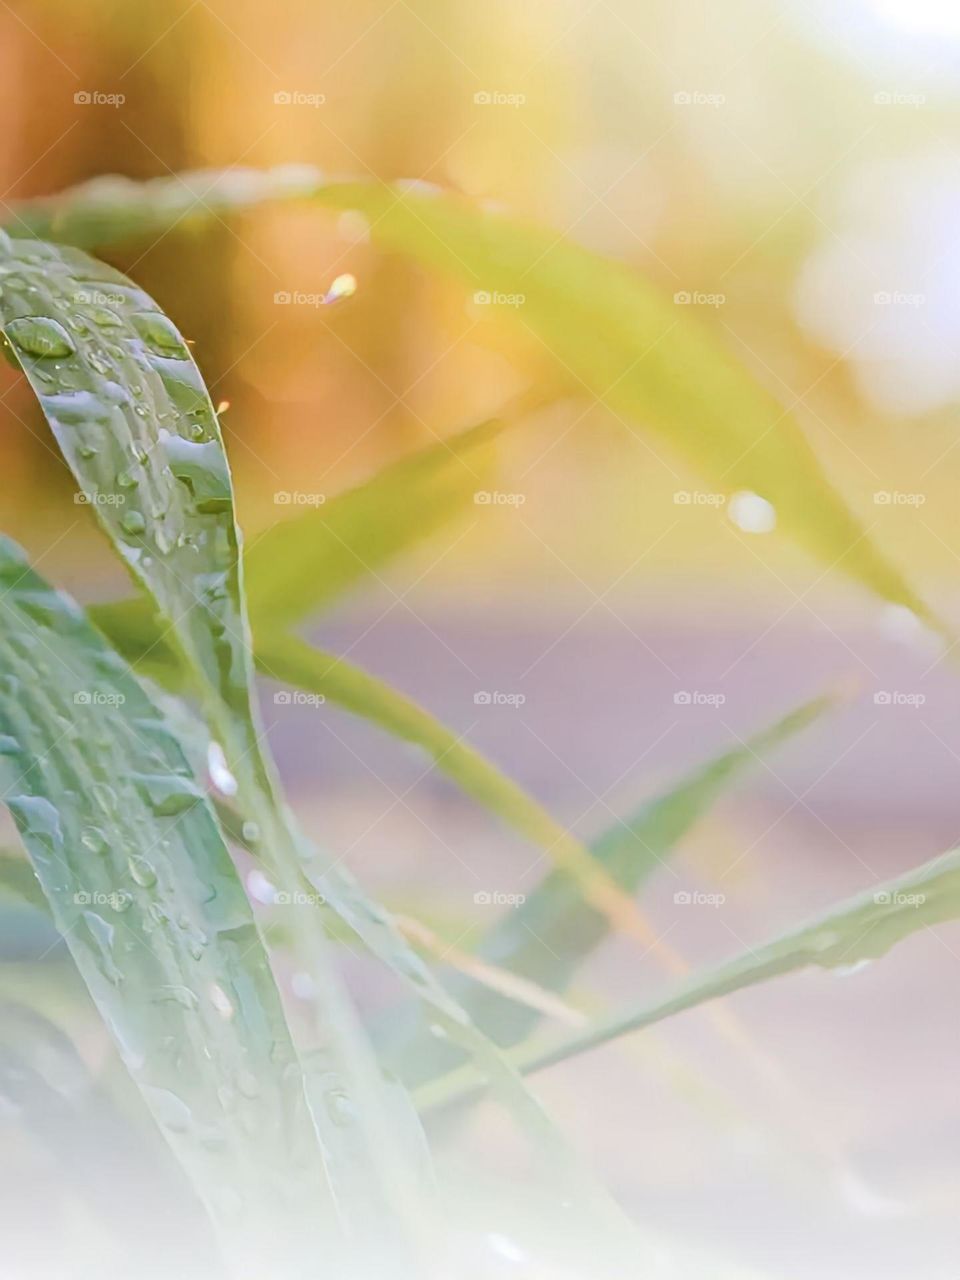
751, 513
220, 775
133, 523
41, 337
92, 838
166, 794
142, 872
160, 334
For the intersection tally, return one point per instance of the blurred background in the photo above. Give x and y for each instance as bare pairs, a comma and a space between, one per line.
789, 169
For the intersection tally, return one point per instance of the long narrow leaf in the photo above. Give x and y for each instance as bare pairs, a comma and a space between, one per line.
144, 892
124, 398
859, 930
608, 330
303, 565
134, 421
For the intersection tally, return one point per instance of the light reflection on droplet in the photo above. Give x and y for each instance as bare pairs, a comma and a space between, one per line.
751, 513
220, 775
344, 286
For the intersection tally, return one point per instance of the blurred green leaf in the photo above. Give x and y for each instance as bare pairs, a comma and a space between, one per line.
305, 564
546, 938
295, 662
859, 930
618, 338
608, 330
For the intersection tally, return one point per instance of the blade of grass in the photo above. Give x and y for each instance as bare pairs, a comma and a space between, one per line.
617, 337
863, 928
295, 662
548, 936
133, 419
142, 888
303, 565
183, 547
607, 329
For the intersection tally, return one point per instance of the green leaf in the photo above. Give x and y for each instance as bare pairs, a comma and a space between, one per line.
134, 421
143, 890
609, 331
303, 565
125, 400
295, 662
862, 929
546, 938
113, 209
618, 338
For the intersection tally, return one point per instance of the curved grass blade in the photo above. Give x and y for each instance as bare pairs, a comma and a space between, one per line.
134, 421
143, 890
295, 662
114, 209
861, 929
546, 938
622, 341
303, 565
604, 325
129, 388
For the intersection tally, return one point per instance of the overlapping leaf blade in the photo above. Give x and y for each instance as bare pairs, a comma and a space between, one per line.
863, 928
546, 938
608, 330
130, 412
142, 369
304, 564
143, 890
